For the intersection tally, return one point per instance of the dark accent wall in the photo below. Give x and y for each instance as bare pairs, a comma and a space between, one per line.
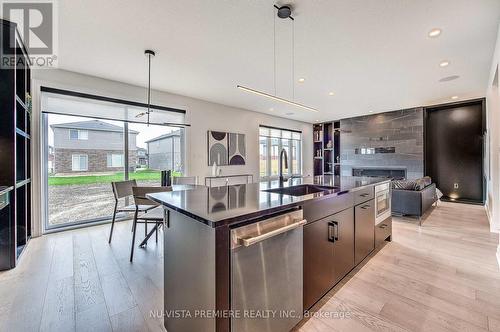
401, 130
454, 149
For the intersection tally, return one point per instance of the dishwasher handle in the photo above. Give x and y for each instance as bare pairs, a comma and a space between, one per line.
246, 242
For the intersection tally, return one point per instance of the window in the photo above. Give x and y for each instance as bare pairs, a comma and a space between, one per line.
271, 142
88, 153
79, 162
115, 160
77, 134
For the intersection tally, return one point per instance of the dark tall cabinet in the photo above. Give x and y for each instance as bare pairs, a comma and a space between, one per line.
15, 146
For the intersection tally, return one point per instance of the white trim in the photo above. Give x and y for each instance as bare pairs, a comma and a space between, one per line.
498, 255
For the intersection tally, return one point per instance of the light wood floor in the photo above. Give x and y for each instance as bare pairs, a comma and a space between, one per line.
440, 277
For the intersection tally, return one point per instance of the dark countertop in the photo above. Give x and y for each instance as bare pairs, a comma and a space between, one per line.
219, 206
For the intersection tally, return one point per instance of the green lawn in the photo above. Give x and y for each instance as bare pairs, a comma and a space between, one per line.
92, 179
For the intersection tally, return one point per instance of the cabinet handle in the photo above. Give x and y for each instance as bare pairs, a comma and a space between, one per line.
364, 195
364, 207
331, 228
333, 231
336, 230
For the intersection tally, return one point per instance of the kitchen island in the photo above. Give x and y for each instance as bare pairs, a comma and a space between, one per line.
255, 256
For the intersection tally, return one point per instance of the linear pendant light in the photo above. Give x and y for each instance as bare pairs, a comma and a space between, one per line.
284, 12
260, 93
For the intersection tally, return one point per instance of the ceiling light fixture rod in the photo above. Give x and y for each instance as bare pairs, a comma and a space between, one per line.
274, 53
260, 93
149, 53
293, 59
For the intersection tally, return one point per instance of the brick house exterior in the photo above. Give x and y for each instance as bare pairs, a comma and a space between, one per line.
90, 147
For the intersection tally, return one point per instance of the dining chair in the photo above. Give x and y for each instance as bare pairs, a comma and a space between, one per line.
157, 214
185, 180
123, 189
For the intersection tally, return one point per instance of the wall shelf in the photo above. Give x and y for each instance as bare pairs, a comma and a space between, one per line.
326, 146
15, 144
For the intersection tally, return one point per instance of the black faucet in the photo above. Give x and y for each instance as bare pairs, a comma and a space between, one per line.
283, 152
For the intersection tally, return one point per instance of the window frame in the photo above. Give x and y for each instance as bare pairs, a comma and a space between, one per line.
79, 136
127, 105
109, 157
79, 155
290, 138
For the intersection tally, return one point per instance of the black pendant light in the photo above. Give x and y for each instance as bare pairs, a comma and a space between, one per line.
150, 54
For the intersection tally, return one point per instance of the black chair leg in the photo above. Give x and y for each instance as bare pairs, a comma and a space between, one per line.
134, 227
113, 222
145, 228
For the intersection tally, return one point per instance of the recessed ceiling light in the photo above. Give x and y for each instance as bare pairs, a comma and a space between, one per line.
370, 111
434, 33
316, 120
302, 80
271, 109
454, 97
331, 93
444, 63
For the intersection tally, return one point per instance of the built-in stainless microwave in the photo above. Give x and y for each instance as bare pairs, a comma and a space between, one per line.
382, 202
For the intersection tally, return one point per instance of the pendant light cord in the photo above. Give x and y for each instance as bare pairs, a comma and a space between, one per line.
274, 53
149, 86
293, 60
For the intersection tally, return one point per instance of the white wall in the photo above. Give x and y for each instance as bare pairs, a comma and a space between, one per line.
493, 111
202, 116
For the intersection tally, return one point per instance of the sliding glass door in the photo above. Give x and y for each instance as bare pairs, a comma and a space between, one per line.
84, 162
84, 155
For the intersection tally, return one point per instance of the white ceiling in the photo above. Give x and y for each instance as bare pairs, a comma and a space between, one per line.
375, 55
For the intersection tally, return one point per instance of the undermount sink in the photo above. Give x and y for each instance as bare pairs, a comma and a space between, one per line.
300, 190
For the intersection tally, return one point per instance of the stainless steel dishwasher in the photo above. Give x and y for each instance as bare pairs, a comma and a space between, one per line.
266, 274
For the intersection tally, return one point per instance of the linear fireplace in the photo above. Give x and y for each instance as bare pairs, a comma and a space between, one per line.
393, 173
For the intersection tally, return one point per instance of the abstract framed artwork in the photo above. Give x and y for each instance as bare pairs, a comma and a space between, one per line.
226, 148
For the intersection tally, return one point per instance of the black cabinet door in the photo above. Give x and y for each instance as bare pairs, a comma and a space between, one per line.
343, 247
364, 230
318, 261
